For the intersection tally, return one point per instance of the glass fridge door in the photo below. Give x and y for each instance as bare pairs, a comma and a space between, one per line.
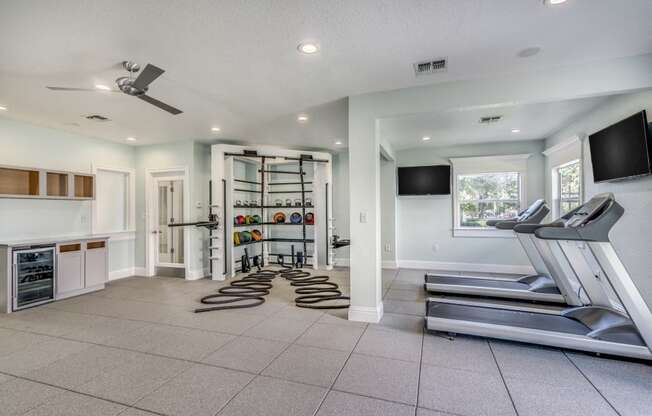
33, 277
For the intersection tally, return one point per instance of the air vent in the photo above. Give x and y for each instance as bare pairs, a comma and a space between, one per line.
490, 119
96, 117
430, 67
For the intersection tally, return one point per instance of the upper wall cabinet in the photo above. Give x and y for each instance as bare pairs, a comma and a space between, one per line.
19, 182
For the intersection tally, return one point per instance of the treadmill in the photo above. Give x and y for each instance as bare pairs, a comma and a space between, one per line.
543, 286
534, 214
620, 325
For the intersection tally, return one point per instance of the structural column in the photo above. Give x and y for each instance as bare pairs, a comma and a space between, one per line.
364, 190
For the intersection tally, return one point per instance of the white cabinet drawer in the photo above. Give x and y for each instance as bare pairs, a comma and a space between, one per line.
96, 268
70, 268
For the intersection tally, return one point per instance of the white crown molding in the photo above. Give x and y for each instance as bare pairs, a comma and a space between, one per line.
473, 159
568, 142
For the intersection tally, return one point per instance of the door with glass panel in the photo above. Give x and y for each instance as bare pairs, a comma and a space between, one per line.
169, 210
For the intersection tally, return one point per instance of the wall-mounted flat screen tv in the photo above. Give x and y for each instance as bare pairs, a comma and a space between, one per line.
424, 180
622, 150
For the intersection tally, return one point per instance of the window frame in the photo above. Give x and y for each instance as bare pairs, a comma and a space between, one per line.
129, 233
484, 165
557, 199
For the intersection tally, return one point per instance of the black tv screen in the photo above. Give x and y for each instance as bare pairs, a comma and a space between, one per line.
424, 180
622, 150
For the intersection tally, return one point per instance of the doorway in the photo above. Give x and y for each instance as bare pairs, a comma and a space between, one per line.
167, 204
169, 210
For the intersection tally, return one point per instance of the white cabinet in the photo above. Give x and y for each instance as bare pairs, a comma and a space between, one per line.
70, 268
96, 267
82, 266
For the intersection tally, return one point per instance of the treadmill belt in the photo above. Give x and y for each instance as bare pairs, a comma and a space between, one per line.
465, 281
520, 319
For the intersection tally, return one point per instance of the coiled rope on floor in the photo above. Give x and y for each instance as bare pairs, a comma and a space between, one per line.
251, 290
315, 290
247, 292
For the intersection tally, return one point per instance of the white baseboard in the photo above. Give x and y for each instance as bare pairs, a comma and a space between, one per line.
197, 274
140, 271
366, 313
467, 267
121, 274
342, 262
389, 264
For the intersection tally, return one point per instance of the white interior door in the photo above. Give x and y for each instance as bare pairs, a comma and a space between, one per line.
168, 209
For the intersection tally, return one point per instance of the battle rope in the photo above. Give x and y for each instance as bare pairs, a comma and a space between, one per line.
251, 290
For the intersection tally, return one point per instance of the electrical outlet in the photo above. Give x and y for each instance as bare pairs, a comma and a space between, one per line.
84, 219
363, 217
388, 248
435, 247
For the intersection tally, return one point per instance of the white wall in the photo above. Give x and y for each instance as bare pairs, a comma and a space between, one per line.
32, 146
341, 204
425, 222
189, 155
631, 236
388, 212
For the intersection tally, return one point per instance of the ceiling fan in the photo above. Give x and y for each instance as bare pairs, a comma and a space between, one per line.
136, 87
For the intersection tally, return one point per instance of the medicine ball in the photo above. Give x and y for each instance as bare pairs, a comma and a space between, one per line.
256, 218
310, 218
236, 238
245, 236
240, 219
256, 235
249, 219
296, 218
279, 217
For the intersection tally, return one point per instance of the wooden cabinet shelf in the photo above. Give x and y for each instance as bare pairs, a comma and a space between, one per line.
19, 182
34, 183
57, 184
84, 186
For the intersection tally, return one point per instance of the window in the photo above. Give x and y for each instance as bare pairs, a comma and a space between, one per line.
113, 208
484, 188
488, 196
569, 187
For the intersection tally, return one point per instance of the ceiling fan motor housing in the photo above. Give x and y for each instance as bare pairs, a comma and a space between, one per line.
126, 85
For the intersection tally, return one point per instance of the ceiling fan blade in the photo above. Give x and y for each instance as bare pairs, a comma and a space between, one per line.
78, 89
70, 89
149, 74
160, 104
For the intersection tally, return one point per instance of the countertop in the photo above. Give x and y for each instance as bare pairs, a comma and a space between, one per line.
53, 240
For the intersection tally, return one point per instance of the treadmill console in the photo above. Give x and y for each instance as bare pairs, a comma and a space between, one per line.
588, 211
532, 209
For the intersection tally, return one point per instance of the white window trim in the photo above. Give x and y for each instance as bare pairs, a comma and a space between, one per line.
556, 183
130, 232
482, 165
552, 174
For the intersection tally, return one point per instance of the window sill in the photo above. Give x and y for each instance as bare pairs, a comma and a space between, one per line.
482, 233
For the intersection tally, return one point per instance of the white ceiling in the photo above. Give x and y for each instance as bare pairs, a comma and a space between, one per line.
235, 64
461, 126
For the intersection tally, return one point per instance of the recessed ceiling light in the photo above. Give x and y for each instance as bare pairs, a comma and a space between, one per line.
215, 129
102, 87
516, 130
308, 48
425, 139
3, 108
553, 2
302, 118
131, 139
338, 143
